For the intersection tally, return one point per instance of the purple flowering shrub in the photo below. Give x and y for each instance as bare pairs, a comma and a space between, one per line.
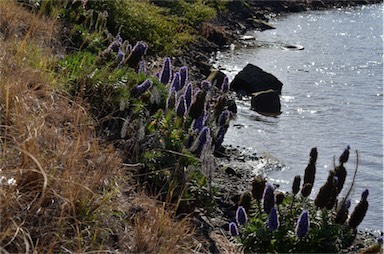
301, 225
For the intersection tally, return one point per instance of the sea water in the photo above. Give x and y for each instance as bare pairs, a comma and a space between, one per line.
332, 97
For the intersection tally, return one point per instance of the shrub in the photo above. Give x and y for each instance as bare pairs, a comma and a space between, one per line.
301, 225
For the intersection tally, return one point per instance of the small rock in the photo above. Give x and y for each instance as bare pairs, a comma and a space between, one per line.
230, 171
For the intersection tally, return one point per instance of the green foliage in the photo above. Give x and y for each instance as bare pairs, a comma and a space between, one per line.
168, 27
192, 12
198, 193
142, 21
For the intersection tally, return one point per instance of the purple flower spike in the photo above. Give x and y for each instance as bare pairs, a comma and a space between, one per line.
233, 229
176, 82
120, 56
119, 39
142, 67
202, 140
171, 99
268, 198
188, 95
181, 107
183, 76
223, 118
204, 136
220, 137
84, 3
225, 85
142, 88
165, 74
196, 91
241, 216
365, 194
199, 123
114, 46
140, 48
190, 140
302, 227
205, 85
273, 222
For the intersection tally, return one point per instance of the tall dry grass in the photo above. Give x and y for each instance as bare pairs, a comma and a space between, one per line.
67, 188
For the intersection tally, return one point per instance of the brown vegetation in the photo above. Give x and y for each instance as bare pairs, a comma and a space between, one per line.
62, 188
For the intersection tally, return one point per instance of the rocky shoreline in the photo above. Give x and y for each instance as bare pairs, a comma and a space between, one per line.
235, 167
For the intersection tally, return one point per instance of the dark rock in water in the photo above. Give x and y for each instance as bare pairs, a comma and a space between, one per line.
293, 47
230, 171
266, 102
253, 79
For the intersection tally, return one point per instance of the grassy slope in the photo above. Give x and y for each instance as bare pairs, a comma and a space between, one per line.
69, 184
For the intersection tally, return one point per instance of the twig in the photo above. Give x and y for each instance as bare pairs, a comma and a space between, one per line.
353, 179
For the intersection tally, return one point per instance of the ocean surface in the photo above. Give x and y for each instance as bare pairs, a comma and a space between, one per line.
332, 97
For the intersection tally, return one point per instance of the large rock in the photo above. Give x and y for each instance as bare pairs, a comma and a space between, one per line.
253, 79
266, 102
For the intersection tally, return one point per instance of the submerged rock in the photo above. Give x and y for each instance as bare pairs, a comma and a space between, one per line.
266, 102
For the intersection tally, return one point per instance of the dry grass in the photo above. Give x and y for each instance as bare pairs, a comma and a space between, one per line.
67, 196
156, 231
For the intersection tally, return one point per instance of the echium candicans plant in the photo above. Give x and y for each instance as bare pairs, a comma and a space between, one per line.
279, 197
188, 95
302, 226
176, 82
205, 85
137, 54
343, 211
241, 216
273, 221
326, 194
196, 126
183, 76
241, 219
181, 107
142, 68
233, 230
340, 171
202, 141
360, 210
166, 71
120, 57
115, 51
246, 201
268, 198
220, 138
225, 85
258, 186
296, 185
310, 170
199, 123
171, 99
139, 90
224, 118
344, 156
